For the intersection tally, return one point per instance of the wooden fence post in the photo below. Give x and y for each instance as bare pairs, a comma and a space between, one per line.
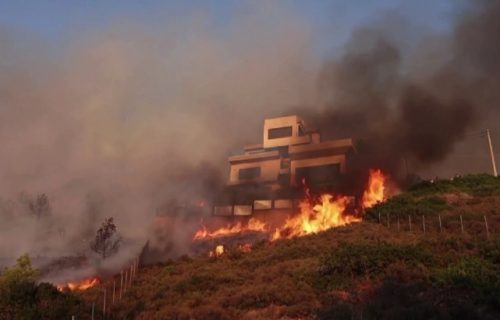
93, 307
121, 283
104, 305
409, 221
461, 224
379, 222
487, 229
126, 281
440, 224
398, 222
423, 223
131, 274
114, 288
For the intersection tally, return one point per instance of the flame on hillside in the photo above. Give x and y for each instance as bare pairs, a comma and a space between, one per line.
252, 225
316, 214
375, 190
316, 217
217, 252
245, 248
79, 285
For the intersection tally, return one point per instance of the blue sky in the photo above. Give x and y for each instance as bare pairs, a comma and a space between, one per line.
57, 21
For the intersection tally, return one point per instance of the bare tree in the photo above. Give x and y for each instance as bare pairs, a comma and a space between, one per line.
106, 241
39, 206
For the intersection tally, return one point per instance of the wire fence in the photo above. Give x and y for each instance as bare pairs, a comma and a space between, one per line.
437, 224
112, 291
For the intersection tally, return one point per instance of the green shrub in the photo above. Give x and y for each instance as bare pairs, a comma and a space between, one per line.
22, 298
474, 273
349, 261
478, 185
490, 251
405, 204
371, 259
400, 300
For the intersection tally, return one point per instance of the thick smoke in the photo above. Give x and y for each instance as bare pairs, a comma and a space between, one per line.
129, 122
412, 107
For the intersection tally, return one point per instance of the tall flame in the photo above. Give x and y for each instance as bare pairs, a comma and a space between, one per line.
375, 191
316, 214
314, 218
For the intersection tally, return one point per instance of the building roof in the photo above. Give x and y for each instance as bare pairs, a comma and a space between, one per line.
255, 156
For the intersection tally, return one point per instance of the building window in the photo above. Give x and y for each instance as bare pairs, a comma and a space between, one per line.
318, 175
282, 132
249, 173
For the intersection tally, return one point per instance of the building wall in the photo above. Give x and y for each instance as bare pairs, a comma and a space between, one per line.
269, 170
290, 121
284, 154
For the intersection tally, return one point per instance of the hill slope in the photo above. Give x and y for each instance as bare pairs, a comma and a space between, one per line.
377, 269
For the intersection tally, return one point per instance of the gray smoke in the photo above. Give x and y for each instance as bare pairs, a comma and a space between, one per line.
126, 122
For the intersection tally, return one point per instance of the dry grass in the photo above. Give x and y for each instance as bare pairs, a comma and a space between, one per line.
287, 279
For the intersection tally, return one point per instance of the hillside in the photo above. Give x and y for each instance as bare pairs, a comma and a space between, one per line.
422, 254
367, 270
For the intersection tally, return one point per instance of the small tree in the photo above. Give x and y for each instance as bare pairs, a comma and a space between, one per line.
22, 298
22, 271
39, 206
17, 290
106, 241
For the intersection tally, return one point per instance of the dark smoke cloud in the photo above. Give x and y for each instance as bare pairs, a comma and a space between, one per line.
403, 107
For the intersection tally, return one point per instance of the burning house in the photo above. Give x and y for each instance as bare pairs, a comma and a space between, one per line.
270, 174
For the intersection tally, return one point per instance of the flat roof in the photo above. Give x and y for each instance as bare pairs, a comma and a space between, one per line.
252, 147
342, 144
255, 156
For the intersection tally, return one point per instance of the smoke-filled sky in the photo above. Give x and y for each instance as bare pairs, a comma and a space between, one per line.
112, 108
57, 21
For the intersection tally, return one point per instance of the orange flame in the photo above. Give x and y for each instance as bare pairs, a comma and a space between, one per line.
375, 191
80, 285
245, 248
314, 218
219, 251
252, 225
